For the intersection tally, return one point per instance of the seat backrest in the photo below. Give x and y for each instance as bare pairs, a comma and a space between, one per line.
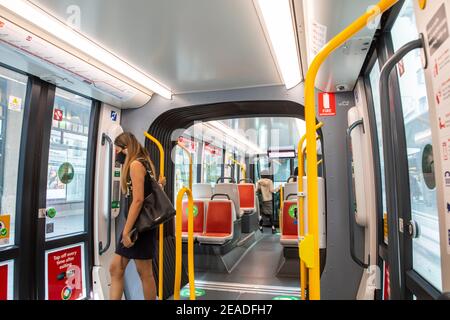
290, 227
290, 188
199, 216
247, 195
202, 190
219, 216
230, 189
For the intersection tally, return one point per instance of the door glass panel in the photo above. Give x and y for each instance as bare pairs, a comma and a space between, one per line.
66, 182
13, 88
426, 249
6, 280
375, 85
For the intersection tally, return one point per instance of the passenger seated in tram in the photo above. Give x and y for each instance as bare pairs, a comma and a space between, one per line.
265, 186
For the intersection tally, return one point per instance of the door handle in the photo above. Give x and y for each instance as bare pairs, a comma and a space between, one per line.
107, 139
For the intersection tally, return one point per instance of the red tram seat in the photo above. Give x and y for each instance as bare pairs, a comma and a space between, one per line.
199, 219
219, 222
289, 235
247, 197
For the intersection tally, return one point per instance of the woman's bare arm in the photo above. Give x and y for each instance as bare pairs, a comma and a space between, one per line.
137, 174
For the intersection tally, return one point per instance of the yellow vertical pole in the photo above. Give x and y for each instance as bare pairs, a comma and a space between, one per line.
281, 209
310, 117
300, 210
178, 261
161, 227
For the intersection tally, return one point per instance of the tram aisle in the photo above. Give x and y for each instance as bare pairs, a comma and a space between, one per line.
253, 278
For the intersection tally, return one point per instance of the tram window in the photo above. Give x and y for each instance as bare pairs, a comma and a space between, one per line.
212, 163
375, 84
281, 170
225, 144
13, 88
182, 163
66, 181
426, 249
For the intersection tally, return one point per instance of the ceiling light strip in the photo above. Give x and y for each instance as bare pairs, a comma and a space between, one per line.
277, 19
35, 15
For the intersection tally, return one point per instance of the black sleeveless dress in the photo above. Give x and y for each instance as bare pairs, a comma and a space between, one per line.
145, 246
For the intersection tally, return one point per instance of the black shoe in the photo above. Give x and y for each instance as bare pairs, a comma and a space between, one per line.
261, 229
274, 231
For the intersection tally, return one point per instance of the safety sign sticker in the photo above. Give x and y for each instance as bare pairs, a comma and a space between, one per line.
58, 115
15, 103
5, 221
327, 104
194, 211
114, 116
65, 273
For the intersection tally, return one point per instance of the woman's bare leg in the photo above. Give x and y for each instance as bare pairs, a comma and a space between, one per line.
117, 271
145, 270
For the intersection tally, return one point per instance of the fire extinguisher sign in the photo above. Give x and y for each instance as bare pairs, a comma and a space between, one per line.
327, 104
64, 268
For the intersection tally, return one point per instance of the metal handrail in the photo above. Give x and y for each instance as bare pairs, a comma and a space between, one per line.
161, 226
178, 237
107, 139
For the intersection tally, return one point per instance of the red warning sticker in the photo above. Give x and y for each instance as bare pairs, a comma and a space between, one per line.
58, 115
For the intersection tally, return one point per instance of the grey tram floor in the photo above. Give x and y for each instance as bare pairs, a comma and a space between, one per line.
254, 278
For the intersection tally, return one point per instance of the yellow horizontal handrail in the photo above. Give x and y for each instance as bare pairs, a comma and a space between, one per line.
310, 118
161, 226
241, 165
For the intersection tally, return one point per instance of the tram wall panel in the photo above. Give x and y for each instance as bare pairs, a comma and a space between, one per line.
340, 279
341, 276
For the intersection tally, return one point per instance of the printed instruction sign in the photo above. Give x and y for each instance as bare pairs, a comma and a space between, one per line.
65, 273
438, 36
327, 104
5, 223
15, 103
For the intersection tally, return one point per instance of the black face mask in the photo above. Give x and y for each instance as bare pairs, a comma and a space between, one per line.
120, 157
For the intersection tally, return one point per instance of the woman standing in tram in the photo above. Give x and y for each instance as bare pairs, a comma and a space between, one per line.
136, 184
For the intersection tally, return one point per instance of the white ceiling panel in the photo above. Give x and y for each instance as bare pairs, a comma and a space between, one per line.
195, 45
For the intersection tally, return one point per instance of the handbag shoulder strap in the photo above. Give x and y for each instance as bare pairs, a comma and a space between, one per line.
147, 168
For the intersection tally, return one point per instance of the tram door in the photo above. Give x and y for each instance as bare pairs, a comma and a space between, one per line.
410, 224
46, 177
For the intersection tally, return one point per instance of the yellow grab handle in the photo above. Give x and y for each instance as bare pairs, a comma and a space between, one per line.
161, 226
310, 118
179, 245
